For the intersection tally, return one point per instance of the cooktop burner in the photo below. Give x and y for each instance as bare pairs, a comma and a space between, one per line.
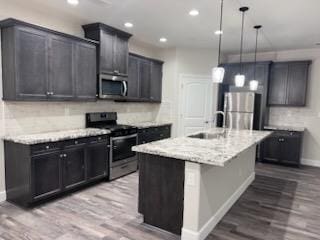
108, 120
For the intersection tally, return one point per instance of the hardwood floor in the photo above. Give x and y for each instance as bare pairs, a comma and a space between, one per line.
282, 204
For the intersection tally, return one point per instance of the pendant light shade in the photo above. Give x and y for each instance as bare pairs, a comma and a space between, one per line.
254, 84
240, 78
218, 72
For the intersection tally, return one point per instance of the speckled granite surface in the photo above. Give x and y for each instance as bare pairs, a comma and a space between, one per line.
142, 125
56, 136
285, 128
215, 152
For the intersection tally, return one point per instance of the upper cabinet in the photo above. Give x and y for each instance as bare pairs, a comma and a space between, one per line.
113, 48
40, 64
145, 79
288, 83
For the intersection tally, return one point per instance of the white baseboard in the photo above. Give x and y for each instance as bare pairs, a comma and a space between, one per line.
3, 196
310, 162
215, 219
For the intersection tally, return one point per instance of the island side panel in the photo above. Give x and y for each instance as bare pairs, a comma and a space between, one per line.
212, 192
161, 191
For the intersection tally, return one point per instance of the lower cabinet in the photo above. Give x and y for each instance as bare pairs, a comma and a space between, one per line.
46, 175
151, 134
37, 172
283, 147
74, 167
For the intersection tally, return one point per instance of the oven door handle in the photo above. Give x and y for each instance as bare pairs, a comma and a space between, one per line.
124, 137
125, 88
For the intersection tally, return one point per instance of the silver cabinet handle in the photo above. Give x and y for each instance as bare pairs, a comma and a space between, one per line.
65, 155
47, 147
125, 88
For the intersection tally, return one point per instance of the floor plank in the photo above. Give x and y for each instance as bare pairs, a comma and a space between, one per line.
282, 204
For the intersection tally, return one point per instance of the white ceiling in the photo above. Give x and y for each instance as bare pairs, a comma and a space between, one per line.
287, 24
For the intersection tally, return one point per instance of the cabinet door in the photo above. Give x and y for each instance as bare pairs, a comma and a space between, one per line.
85, 71
290, 150
297, 83
61, 80
107, 47
98, 160
46, 175
271, 149
74, 167
32, 64
156, 81
278, 84
262, 73
121, 55
145, 78
133, 78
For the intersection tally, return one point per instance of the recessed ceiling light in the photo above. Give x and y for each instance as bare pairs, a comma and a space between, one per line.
163, 40
218, 32
194, 12
73, 2
128, 25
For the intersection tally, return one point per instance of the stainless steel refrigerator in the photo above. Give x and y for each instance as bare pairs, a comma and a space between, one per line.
242, 110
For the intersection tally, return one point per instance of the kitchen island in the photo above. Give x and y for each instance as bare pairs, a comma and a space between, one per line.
187, 184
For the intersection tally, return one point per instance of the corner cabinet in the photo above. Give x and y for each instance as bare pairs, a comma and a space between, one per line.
288, 83
40, 171
43, 65
145, 79
113, 48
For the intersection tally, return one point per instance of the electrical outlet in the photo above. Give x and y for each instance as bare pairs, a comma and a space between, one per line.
191, 179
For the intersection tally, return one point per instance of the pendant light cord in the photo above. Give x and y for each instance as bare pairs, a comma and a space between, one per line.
255, 55
241, 43
220, 35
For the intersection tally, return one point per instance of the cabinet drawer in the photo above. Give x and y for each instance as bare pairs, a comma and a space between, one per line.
75, 142
44, 147
98, 139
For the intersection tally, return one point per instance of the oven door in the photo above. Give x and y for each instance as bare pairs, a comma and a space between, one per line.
112, 86
121, 152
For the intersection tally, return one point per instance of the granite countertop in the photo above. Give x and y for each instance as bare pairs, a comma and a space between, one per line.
215, 152
56, 136
285, 128
142, 125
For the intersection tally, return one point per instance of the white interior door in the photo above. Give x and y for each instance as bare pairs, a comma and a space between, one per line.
196, 104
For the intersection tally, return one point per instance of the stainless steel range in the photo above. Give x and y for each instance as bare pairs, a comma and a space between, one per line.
122, 160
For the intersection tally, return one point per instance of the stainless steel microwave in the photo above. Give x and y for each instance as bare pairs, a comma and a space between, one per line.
111, 86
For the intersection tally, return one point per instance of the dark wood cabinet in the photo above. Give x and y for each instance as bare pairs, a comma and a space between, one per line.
145, 79
31, 65
85, 71
288, 83
97, 160
283, 147
156, 81
37, 172
61, 80
74, 167
146, 135
113, 48
44, 65
46, 177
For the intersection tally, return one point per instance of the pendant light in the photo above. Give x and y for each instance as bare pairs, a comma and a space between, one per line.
240, 78
218, 72
255, 83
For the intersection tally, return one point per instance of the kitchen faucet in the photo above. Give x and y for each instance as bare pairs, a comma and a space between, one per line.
224, 120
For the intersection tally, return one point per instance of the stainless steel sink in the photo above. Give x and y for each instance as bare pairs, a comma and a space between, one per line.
208, 135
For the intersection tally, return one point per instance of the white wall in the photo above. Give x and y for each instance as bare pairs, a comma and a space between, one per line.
184, 61
32, 117
308, 116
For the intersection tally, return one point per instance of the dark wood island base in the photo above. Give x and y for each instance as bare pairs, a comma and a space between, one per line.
161, 191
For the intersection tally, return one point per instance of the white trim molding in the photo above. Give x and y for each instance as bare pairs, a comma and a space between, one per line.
3, 196
214, 220
310, 162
